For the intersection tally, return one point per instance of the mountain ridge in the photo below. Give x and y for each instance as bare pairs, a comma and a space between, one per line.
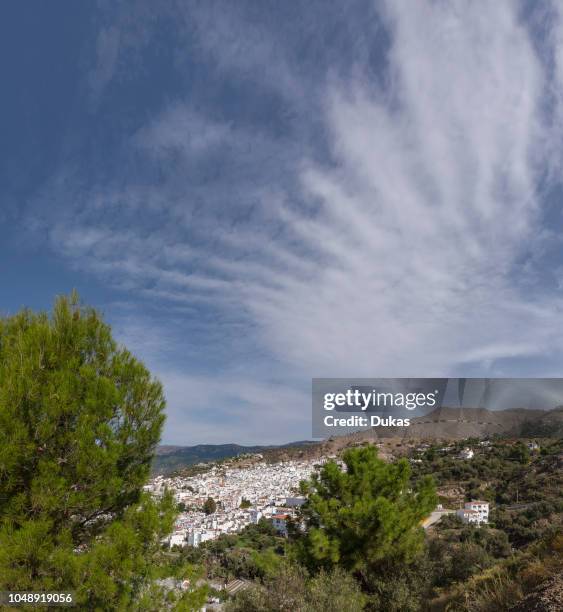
443, 423
170, 457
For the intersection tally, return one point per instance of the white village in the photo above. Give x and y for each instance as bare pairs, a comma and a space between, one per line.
241, 496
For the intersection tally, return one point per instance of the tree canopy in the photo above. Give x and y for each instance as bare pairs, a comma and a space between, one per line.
363, 514
245, 503
209, 506
80, 418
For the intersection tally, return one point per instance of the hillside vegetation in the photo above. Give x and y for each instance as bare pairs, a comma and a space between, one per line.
449, 567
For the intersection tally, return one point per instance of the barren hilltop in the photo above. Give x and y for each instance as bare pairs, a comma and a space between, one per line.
459, 423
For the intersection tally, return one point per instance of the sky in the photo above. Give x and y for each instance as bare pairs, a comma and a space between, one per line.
258, 193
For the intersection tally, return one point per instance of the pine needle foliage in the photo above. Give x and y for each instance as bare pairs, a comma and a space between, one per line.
80, 419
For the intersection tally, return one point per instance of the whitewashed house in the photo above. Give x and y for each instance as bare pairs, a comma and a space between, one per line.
254, 515
466, 453
468, 516
177, 539
196, 537
475, 512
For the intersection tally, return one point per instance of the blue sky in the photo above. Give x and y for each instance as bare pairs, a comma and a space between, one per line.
256, 193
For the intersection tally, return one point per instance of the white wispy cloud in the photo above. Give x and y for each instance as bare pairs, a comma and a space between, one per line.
433, 201
411, 250
107, 49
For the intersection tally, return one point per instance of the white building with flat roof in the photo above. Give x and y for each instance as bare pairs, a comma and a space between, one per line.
475, 512
196, 537
294, 502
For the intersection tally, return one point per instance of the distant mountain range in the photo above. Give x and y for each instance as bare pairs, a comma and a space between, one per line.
171, 458
440, 424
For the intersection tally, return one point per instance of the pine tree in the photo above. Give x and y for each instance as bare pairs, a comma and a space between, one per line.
209, 506
80, 419
364, 518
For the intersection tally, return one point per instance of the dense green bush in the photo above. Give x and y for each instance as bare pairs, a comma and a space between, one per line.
291, 590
